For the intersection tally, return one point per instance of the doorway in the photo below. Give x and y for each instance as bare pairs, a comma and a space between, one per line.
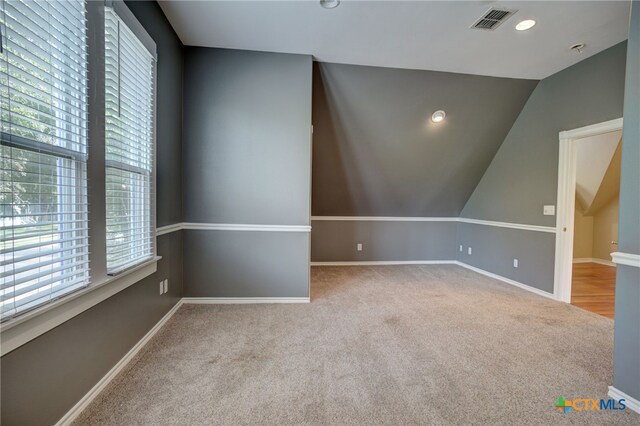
566, 212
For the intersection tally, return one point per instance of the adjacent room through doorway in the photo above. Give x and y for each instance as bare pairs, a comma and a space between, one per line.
596, 222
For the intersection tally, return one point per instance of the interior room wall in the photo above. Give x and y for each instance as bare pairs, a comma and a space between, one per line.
44, 378
605, 230
582, 235
523, 175
247, 161
376, 152
626, 354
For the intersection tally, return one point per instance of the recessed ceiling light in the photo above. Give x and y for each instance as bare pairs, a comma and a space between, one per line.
329, 4
525, 25
438, 116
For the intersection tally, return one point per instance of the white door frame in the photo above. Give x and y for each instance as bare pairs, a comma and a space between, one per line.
566, 203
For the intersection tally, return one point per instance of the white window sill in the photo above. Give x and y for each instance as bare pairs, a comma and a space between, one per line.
20, 330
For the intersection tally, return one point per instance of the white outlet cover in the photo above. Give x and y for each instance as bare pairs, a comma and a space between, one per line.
549, 210
359, 247
515, 263
161, 287
460, 249
469, 250
166, 285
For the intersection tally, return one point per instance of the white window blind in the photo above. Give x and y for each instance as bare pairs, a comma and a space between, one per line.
129, 93
43, 151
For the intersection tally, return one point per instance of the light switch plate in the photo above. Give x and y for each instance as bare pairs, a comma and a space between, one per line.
549, 210
359, 247
469, 250
515, 263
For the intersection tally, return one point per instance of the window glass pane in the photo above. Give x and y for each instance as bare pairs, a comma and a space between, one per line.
129, 118
43, 144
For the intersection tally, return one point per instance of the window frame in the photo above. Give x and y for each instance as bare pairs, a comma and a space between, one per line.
27, 326
125, 15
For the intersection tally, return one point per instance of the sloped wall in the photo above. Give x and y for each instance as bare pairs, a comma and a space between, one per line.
377, 153
523, 175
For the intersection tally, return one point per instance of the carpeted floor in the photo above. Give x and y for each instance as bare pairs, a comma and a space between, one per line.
377, 345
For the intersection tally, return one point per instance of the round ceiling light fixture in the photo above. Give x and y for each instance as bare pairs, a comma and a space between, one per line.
525, 25
578, 47
438, 116
329, 4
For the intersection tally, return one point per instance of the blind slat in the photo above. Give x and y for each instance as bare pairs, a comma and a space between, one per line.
129, 112
44, 247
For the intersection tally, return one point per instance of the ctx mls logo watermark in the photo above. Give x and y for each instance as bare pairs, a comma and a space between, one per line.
588, 404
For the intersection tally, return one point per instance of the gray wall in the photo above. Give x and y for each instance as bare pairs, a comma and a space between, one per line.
626, 358
494, 248
333, 241
247, 160
377, 153
246, 264
523, 176
44, 378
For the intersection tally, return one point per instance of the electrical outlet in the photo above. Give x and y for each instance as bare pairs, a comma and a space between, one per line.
460, 249
549, 210
359, 247
161, 287
469, 251
166, 285
515, 263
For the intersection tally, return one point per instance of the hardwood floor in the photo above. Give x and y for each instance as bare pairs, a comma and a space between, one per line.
593, 288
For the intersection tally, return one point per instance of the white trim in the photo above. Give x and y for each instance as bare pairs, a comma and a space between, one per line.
627, 259
566, 202
632, 403
386, 262
73, 413
382, 219
539, 228
242, 300
20, 330
168, 229
507, 280
592, 130
593, 260
550, 229
245, 227
231, 227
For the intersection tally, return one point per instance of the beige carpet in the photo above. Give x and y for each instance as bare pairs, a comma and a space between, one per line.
377, 345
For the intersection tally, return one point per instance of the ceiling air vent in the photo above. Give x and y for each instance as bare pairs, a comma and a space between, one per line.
492, 19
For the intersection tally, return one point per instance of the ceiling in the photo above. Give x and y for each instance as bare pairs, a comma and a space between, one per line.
427, 35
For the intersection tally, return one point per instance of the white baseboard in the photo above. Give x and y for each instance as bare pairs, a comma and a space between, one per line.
593, 260
386, 262
241, 300
632, 403
508, 281
95, 391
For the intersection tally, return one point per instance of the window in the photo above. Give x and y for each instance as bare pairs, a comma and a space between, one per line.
44, 247
129, 101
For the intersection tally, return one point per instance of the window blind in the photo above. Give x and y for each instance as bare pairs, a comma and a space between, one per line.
129, 102
43, 146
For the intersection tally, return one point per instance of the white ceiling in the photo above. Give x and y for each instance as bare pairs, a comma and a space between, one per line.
430, 35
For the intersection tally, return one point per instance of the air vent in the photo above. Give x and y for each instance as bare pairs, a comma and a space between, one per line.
492, 19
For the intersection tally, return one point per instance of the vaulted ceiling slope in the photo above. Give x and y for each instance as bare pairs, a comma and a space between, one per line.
597, 171
427, 35
376, 151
